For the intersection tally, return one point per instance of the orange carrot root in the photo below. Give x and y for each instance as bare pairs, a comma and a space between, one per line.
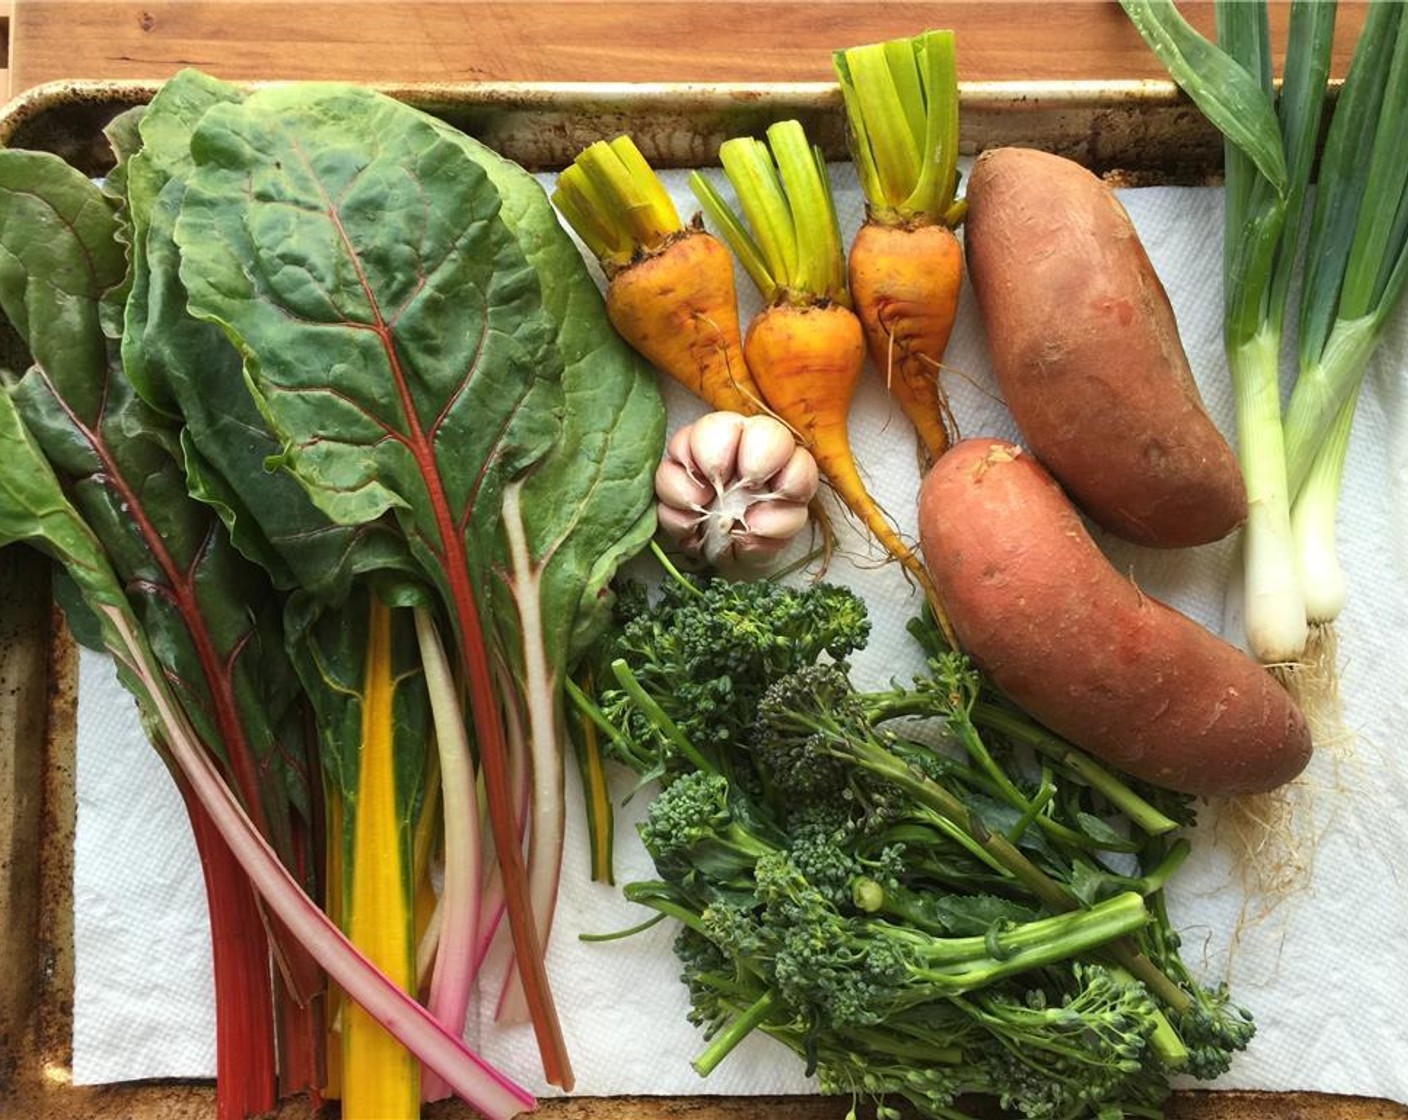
678, 308
808, 362
905, 282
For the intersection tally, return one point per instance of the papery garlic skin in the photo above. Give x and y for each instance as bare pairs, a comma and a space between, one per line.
734, 489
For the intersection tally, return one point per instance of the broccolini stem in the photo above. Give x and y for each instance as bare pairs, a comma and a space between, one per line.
1054, 896
736, 1031
630, 931
945, 804
964, 963
673, 572
1173, 859
1008, 722
589, 710
656, 714
962, 726
1165, 1039
655, 896
882, 706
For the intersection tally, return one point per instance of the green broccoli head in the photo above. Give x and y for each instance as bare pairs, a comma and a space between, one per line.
823, 967
798, 718
1084, 1053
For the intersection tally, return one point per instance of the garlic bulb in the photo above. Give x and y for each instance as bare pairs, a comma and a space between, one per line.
734, 489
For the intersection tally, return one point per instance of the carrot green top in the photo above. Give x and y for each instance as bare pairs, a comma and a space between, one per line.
615, 202
902, 107
788, 238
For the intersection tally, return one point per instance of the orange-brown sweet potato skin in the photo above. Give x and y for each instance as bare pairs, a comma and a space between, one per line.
1041, 611
1086, 351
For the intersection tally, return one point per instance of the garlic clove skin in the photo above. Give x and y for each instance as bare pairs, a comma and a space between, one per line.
713, 446
748, 549
678, 450
766, 446
678, 523
776, 520
675, 486
799, 478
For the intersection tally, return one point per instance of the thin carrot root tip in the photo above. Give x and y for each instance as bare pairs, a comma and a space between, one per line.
905, 281
678, 308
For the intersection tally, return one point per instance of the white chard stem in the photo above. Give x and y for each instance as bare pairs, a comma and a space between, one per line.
1274, 607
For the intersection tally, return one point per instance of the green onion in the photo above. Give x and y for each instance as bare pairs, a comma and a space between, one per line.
1270, 146
1357, 266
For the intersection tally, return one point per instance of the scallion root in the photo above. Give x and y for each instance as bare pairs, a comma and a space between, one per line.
1272, 837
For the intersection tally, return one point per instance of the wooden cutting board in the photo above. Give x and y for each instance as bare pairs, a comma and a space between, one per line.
571, 40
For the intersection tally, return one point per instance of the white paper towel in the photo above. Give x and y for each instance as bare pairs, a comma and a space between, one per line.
1324, 968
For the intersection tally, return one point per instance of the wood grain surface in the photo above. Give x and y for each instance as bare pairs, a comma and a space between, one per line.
573, 40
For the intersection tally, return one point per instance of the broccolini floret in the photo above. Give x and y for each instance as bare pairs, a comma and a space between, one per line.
690, 827
706, 650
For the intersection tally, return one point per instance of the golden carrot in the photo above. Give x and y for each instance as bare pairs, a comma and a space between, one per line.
906, 266
670, 291
806, 349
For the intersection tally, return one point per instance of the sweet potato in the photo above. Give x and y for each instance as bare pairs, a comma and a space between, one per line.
1081, 648
1086, 352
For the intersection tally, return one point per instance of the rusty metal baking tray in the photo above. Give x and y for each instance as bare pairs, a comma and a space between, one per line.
1142, 131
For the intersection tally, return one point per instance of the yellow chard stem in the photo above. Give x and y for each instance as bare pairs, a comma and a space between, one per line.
380, 1078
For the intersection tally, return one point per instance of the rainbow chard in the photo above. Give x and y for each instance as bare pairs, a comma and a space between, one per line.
35, 510
570, 519
206, 611
362, 673
176, 361
399, 343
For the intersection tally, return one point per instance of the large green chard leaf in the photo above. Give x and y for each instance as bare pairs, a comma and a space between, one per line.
176, 358
208, 614
394, 338
58, 255
34, 510
589, 504
389, 322
162, 147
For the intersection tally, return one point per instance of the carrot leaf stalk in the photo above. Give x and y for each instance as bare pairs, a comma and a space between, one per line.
671, 293
806, 349
905, 264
